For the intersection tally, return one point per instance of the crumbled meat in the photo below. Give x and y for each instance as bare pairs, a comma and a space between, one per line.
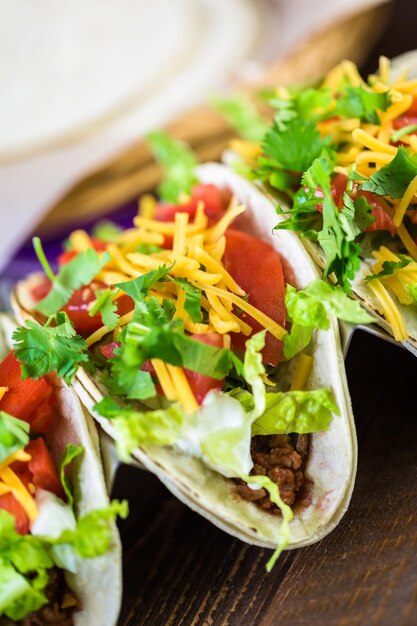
282, 458
51, 613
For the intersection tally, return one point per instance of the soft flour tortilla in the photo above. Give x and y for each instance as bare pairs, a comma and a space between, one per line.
332, 458
98, 584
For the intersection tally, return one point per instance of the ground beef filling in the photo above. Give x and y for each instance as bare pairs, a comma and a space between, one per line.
51, 613
282, 458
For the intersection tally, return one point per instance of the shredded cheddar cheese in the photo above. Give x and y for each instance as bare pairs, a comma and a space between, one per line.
195, 252
302, 372
389, 309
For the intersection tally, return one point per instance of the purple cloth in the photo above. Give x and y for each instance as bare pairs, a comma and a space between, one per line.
25, 261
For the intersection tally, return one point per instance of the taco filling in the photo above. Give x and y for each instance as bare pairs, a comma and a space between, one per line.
41, 533
341, 158
191, 329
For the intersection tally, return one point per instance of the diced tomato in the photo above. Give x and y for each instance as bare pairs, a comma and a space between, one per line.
9, 503
108, 349
124, 304
214, 204
24, 398
42, 467
200, 384
41, 289
257, 268
42, 416
77, 309
379, 205
405, 120
382, 219
68, 255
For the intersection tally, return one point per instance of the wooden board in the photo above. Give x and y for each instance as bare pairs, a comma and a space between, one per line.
181, 571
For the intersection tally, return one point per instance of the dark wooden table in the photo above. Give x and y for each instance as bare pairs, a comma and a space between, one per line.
179, 570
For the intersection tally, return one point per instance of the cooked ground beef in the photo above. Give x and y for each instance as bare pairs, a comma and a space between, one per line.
282, 458
51, 613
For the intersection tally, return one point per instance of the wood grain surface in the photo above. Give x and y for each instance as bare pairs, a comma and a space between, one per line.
181, 571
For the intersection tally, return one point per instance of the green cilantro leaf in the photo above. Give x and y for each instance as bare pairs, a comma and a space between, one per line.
362, 103
296, 412
295, 147
71, 453
24, 561
389, 267
178, 163
338, 232
93, 534
393, 179
107, 308
78, 272
242, 116
192, 304
141, 285
14, 435
44, 349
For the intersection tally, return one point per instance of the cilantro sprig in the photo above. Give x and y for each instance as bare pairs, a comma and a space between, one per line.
393, 179
52, 347
389, 267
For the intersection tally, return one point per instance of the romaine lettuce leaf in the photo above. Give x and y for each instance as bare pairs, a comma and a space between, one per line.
312, 308
71, 453
14, 435
296, 412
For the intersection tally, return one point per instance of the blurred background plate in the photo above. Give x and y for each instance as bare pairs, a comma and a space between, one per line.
70, 69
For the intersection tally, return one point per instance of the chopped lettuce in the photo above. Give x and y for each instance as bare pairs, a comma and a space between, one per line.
26, 559
76, 273
284, 536
71, 453
178, 163
312, 307
296, 412
48, 348
162, 427
14, 435
92, 537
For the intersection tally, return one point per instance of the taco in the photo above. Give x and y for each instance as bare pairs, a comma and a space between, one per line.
211, 355
60, 554
340, 160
